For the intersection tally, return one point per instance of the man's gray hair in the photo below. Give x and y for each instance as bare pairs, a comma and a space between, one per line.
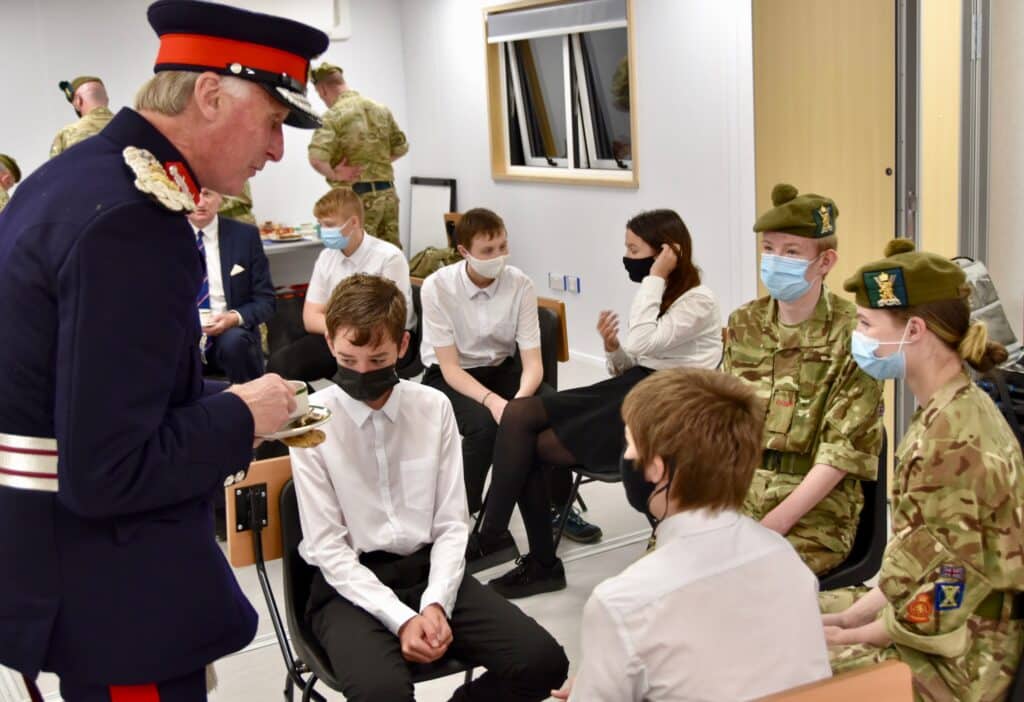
169, 92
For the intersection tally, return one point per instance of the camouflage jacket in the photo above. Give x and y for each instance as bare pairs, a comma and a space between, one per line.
4, 199
957, 520
87, 126
238, 206
364, 133
819, 402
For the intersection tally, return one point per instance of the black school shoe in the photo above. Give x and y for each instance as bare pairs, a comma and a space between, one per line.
483, 551
529, 577
576, 527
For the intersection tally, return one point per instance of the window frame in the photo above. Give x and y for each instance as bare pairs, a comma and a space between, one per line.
603, 172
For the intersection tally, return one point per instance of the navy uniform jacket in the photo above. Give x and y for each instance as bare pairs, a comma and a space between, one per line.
115, 577
250, 291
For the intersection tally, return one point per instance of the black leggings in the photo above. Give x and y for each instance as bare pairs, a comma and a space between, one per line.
525, 444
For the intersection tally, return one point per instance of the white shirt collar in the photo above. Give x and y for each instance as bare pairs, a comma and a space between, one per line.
359, 255
360, 412
471, 288
211, 230
693, 522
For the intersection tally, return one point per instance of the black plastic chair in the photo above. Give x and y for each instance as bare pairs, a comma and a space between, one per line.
584, 475
865, 557
311, 658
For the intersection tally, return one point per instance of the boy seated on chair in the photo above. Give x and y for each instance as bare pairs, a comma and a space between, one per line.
383, 511
722, 608
348, 249
475, 314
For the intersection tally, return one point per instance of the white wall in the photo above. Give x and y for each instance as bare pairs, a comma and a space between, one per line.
1006, 157
112, 39
696, 150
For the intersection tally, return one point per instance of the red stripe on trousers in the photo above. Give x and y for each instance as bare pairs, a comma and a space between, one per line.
134, 693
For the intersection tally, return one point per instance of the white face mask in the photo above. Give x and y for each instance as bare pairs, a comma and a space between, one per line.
488, 268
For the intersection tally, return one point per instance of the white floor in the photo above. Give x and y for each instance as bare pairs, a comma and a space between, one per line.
257, 673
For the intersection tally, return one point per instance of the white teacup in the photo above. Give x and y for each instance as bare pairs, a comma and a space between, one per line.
301, 399
205, 317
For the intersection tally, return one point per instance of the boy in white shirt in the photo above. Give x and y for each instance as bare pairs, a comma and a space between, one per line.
348, 249
475, 313
723, 608
383, 512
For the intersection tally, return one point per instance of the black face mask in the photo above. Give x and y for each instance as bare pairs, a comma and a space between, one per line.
639, 492
638, 268
366, 386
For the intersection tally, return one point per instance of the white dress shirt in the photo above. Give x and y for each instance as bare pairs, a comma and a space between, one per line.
211, 243
689, 334
723, 609
373, 257
483, 324
384, 480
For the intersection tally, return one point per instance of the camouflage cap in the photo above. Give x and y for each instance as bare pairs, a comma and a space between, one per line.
11, 165
70, 87
905, 278
324, 70
809, 215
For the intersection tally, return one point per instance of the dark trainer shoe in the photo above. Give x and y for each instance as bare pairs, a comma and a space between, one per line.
483, 551
576, 527
529, 578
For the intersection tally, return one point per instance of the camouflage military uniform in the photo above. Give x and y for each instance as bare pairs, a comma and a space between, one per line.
85, 127
821, 409
364, 133
238, 206
958, 544
4, 199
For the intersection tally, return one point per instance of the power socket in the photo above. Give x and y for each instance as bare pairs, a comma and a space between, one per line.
556, 282
572, 284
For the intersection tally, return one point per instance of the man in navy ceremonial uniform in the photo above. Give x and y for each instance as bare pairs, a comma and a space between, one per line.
111, 443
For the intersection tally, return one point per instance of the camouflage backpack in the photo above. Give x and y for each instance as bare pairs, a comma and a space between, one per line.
430, 259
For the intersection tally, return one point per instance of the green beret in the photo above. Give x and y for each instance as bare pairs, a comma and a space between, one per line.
906, 278
324, 70
11, 165
69, 88
809, 215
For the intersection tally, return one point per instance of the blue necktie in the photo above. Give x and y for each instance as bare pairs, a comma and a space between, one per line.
203, 296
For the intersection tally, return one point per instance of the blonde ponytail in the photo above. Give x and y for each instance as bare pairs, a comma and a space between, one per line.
978, 351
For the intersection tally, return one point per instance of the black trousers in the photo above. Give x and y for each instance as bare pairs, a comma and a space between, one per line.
523, 661
237, 353
478, 428
307, 358
188, 688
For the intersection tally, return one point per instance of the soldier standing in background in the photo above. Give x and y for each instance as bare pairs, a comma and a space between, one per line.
355, 147
948, 601
9, 175
89, 98
238, 207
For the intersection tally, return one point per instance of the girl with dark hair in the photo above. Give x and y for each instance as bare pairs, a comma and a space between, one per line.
674, 322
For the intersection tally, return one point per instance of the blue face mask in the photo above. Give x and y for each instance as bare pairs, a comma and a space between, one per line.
891, 367
785, 277
333, 238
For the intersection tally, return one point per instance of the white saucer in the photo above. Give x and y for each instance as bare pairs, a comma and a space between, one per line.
320, 415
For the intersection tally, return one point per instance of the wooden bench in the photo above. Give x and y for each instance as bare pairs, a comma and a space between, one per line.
885, 682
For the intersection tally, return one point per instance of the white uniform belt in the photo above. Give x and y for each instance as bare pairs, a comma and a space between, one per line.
28, 462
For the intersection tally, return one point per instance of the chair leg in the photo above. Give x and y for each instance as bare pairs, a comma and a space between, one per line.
564, 516
583, 505
308, 691
469, 676
289, 688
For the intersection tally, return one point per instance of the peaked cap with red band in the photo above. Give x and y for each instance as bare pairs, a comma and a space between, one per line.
273, 52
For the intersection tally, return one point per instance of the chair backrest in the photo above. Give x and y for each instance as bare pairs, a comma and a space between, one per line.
889, 681
298, 575
872, 532
451, 220
557, 308
272, 473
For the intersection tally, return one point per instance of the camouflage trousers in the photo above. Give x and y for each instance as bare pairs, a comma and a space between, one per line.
824, 536
983, 674
381, 215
